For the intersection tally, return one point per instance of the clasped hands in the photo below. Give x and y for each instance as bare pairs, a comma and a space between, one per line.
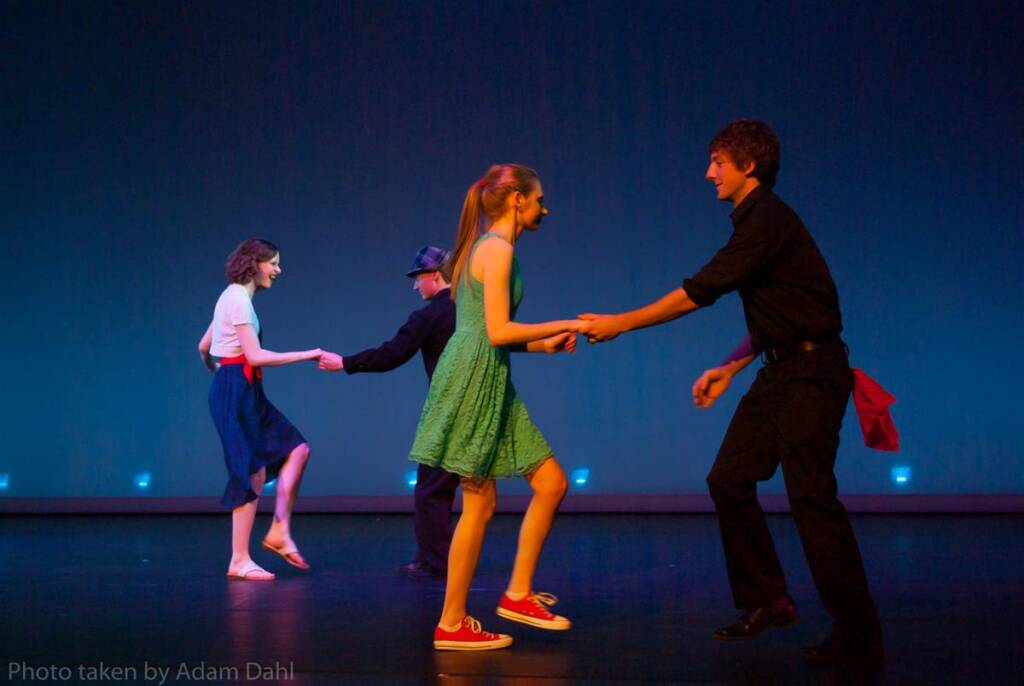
600, 328
330, 362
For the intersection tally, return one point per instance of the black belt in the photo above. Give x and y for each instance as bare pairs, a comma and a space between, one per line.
777, 354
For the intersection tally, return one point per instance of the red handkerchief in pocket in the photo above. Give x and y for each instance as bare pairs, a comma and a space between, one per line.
872, 403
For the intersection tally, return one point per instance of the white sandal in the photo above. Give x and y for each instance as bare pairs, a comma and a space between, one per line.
250, 572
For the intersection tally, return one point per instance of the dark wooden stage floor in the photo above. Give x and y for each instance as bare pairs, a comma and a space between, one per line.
644, 592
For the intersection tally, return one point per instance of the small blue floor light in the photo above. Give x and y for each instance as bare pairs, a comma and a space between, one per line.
142, 480
579, 477
410, 478
900, 475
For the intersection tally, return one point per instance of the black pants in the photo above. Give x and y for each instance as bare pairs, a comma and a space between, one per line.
792, 414
433, 497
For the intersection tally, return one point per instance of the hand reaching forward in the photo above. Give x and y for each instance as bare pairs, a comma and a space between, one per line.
600, 327
331, 362
563, 342
710, 386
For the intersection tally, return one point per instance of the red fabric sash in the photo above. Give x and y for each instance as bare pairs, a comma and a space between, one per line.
872, 403
247, 369
869, 398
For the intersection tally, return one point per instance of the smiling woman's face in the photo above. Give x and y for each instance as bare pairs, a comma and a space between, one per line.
268, 272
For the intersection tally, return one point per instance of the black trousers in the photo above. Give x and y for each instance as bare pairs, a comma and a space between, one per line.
792, 414
433, 497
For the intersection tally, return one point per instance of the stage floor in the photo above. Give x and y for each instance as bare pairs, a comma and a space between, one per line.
148, 593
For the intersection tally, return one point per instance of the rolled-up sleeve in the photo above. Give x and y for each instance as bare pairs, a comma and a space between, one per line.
749, 248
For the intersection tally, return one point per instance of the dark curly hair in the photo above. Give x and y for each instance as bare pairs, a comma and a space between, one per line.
750, 140
243, 262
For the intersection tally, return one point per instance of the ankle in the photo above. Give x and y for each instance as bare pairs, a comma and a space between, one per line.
516, 595
279, 529
239, 560
454, 622
449, 627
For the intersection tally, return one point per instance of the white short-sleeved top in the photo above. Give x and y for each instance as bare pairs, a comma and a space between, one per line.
234, 306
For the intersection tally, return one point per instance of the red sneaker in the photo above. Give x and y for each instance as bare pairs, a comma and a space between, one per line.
469, 636
531, 610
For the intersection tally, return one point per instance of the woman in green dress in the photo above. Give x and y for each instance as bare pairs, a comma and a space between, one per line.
473, 422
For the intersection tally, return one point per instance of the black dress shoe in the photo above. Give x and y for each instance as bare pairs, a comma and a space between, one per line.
780, 613
421, 570
832, 649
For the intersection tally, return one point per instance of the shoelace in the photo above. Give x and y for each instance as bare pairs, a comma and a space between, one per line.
475, 627
542, 599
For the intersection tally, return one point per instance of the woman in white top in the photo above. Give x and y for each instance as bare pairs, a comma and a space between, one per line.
260, 444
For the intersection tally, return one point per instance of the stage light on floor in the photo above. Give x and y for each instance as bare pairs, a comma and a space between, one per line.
270, 486
900, 475
410, 478
5, 481
142, 480
580, 476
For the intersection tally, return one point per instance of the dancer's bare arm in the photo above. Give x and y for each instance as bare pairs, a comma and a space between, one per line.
257, 356
604, 327
493, 261
204, 349
715, 381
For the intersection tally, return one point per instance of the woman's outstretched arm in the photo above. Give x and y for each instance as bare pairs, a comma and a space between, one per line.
496, 261
257, 356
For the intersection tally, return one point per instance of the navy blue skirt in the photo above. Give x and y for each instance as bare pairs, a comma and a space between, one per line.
254, 433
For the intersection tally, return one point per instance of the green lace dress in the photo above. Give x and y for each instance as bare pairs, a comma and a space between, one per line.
473, 422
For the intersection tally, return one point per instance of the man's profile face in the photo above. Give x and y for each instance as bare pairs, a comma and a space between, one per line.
730, 182
428, 284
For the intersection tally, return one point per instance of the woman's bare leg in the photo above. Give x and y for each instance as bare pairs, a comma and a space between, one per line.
242, 518
478, 501
288, 481
549, 484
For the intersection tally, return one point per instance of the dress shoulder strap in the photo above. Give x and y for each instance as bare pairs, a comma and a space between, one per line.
483, 237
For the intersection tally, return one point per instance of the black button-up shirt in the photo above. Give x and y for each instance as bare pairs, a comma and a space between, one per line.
427, 329
787, 291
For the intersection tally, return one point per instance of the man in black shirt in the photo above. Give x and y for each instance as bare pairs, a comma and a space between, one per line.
791, 414
427, 330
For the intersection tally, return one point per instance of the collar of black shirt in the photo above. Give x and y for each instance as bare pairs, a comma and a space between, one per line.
445, 292
748, 202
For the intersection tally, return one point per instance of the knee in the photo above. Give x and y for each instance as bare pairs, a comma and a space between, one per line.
715, 482
485, 507
301, 453
489, 506
553, 485
479, 502
257, 480
724, 488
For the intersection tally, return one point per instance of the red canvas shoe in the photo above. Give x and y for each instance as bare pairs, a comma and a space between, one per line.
531, 610
469, 636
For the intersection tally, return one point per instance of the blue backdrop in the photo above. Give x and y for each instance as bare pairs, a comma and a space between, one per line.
143, 141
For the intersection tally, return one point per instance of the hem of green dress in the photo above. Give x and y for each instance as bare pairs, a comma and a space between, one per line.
514, 475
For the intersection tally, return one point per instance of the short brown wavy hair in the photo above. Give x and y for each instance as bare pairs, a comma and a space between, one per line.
750, 140
243, 262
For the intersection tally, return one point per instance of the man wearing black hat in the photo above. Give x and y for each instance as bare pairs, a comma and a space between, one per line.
427, 330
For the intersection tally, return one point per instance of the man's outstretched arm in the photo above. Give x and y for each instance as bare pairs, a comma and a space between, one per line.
605, 327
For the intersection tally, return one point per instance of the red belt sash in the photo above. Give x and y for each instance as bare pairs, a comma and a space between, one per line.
247, 369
